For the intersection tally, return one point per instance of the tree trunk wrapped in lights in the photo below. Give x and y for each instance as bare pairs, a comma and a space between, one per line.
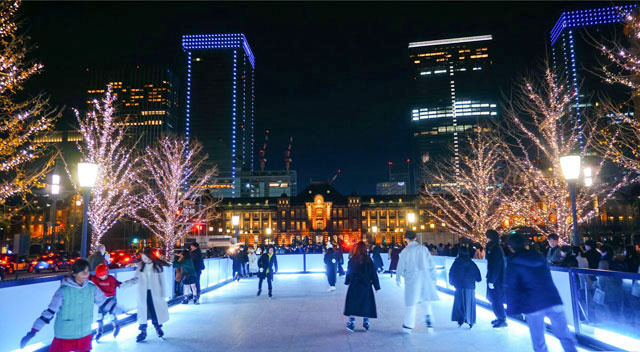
470, 202
550, 131
105, 143
23, 162
173, 175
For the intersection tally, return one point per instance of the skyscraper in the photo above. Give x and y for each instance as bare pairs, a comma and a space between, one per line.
575, 57
220, 95
451, 91
147, 96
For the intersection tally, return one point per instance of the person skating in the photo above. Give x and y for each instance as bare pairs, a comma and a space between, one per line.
530, 291
361, 276
463, 275
198, 264
100, 256
188, 277
377, 258
72, 306
268, 266
236, 259
394, 256
495, 278
253, 262
331, 266
419, 272
151, 291
108, 285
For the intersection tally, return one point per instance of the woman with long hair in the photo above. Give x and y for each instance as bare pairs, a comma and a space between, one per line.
151, 288
361, 276
189, 276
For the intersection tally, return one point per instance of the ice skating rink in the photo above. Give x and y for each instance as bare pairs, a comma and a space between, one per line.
303, 316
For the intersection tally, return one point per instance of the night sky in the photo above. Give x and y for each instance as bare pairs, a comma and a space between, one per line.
333, 76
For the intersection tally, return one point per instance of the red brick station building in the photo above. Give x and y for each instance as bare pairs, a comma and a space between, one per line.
320, 213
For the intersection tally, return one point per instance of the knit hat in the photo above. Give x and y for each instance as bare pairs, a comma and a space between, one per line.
329, 245
102, 270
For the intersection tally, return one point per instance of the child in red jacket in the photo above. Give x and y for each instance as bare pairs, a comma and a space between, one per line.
108, 284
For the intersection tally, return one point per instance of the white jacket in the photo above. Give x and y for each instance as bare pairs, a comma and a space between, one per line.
253, 263
419, 272
156, 284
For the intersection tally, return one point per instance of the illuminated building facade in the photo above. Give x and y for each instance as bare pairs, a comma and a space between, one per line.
451, 90
147, 97
269, 183
219, 106
320, 213
573, 53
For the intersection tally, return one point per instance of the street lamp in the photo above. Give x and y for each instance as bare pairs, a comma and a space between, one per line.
87, 174
235, 221
570, 165
374, 229
55, 190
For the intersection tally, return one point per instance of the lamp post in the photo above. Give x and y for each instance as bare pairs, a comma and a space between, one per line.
55, 190
87, 174
374, 229
411, 218
235, 221
570, 165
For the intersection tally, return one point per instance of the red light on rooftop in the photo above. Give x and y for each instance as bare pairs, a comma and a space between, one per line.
390, 163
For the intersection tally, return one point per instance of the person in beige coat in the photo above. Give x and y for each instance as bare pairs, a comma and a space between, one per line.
151, 288
419, 272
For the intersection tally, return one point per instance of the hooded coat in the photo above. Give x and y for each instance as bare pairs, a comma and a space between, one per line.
157, 286
253, 262
529, 287
419, 272
360, 300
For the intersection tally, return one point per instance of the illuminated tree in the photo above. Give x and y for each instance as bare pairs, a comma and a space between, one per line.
549, 132
471, 201
105, 143
23, 162
172, 180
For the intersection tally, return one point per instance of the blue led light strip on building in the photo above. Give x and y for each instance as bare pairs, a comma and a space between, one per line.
192, 42
590, 17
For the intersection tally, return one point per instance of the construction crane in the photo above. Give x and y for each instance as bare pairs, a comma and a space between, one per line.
263, 151
287, 155
335, 176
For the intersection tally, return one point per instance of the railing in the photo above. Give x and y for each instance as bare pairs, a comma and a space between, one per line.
599, 305
22, 301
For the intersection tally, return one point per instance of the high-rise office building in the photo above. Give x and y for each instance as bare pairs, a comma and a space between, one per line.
147, 96
575, 57
220, 95
452, 90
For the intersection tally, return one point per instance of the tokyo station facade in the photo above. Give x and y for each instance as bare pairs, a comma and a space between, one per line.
318, 214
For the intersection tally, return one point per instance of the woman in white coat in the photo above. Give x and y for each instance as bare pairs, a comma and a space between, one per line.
253, 262
419, 272
151, 288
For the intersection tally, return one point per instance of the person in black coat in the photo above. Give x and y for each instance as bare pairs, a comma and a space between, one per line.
463, 275
567, 258
377, 258
394, 254
530, 291
237, 262
495, 278
267, 267
198, 263
592, 254
340, 258
244, 257
361, 276
331, 265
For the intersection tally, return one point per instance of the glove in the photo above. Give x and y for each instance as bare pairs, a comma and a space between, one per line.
27, 337
261, 269
490, 286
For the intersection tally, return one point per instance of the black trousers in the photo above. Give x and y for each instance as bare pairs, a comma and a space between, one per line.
496, 296
151, 310
198, 273
269, 280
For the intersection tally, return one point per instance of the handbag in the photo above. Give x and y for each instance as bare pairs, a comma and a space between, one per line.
598, 296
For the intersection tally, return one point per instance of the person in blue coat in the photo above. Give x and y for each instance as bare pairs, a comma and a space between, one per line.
463, 275
331, 265
268, 266
530, 291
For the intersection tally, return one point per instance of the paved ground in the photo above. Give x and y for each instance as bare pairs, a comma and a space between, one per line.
302, 316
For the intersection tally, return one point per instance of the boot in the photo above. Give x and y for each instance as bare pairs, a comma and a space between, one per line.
365, 324
159, 330
185, 300
428, 322
259, 292
116, 329
100, 330
143, 333
195, 299
270, 295
350, 325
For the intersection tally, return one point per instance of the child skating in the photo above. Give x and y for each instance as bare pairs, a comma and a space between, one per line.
108, 284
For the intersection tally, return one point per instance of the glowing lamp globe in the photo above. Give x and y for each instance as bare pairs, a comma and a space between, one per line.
570, 165
87, 174
411, 217
235, 220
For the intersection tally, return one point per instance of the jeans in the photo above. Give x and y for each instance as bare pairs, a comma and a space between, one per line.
559, 328
198, 273
496, 296
269, 280
410, 313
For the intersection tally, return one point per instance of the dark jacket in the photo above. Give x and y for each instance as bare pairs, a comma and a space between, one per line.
395, 256
495, 264
529, 287
331, 265
569, 261
593, 258
196, 257
96, 259
360, 301
244, 255
464, 273
377, 258
265, 264
187, 266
